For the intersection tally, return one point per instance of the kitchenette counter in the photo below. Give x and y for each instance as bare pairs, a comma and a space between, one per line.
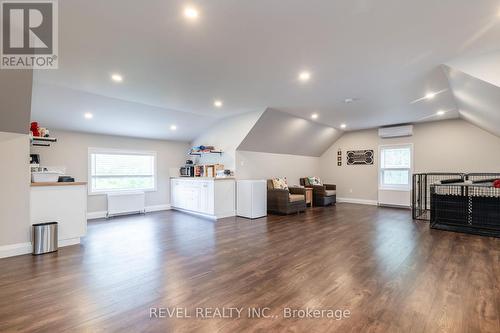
58, 184
64, 203
204, 178
206, 196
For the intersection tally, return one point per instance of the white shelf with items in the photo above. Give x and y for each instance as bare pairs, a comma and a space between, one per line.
42, 141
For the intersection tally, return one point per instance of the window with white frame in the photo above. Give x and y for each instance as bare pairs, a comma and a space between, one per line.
395, 167
113, 170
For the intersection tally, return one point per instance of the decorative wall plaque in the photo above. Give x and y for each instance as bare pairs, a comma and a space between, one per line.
360, 157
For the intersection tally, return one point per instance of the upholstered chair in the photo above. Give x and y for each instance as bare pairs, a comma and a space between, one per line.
285, 201
323, 194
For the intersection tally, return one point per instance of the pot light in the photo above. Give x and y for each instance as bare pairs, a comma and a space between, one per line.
88, 115
173, 127
440, 113
314, 116
117, 77
343, 126
304, 76
350, 100
191, 13
218, 103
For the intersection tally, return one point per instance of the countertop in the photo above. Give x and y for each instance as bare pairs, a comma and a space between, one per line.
59, 184
204, 178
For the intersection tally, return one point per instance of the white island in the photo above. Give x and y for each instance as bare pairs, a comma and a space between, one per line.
64, 203
213, 198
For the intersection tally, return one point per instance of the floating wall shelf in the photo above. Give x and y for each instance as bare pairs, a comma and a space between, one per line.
194, 153
42, 142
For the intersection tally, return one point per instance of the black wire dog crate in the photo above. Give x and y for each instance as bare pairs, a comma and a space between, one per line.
421, 191
469, 208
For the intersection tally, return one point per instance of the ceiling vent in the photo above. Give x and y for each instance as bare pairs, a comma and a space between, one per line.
395, 132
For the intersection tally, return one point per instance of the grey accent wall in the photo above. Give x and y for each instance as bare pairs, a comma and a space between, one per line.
281, 133
15, 100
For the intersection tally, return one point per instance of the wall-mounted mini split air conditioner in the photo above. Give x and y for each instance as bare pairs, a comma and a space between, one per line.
395, 131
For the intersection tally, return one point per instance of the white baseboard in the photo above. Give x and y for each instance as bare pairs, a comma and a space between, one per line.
358, 201
68, 242
26, 248
96, 215
102, 214
157, 208
15, 249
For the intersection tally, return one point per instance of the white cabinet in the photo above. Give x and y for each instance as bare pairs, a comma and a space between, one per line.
65, 204
252, 198
214, 198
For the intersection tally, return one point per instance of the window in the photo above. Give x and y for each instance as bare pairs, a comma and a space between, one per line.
118, 170
395, 167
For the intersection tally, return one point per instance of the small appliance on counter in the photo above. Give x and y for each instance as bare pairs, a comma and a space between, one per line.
224, 173
41, 174
186, 171
66, 179
45, 177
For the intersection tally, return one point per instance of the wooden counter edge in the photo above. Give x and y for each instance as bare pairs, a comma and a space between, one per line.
59, 184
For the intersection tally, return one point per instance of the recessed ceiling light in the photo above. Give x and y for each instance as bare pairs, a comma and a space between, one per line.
440, 113
117, 77
304, 76
314, 116
343, 126
191, 13
218, 103
88, 115
173, 127
430, 95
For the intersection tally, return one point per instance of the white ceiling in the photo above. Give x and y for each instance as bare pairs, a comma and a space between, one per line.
387, 53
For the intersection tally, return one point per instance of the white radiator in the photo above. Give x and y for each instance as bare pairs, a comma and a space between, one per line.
126, 203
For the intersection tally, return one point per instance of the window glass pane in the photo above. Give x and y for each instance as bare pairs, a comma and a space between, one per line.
395, 177
395, 158
115, 171
120, 165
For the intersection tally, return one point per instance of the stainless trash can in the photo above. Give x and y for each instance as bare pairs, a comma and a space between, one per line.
44, 238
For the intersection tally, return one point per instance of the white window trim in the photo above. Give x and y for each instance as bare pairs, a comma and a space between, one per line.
401, 188
94, 150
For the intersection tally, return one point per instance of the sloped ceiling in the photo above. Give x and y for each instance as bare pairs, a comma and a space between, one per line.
475, 83
281, 133
477, 100
63, 108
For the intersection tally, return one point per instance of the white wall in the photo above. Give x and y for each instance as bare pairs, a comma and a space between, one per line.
445, 146
15, 99
14, 193
255, 165
71, 151
226, 136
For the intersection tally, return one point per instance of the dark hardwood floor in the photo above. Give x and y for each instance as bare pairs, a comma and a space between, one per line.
391, 273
